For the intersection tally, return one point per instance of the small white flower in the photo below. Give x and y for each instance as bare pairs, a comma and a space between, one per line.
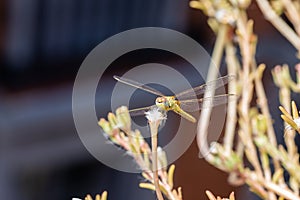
288, 127
292, 120
225, 16
155, 114
297, 121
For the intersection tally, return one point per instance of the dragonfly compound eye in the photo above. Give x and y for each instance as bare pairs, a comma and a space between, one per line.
159, 100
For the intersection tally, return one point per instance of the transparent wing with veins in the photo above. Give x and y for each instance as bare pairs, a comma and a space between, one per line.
192, 105
211, 85
138, 85
141, 111
188, 98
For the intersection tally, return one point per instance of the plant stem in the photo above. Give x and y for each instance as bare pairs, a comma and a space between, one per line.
293, 14
212, 74
153, 129
285, 101
279, 24
263, 102
233, 67
284, 192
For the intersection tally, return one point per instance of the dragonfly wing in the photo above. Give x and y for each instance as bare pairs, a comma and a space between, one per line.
193, 105
140, 111
138, 85
211, 85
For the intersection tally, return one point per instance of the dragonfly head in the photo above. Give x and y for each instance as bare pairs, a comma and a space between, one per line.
165, 103
160, 102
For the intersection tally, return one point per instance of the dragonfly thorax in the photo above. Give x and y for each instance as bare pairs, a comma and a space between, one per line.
166, 102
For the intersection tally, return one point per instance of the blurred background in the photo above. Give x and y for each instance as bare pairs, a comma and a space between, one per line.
42, 45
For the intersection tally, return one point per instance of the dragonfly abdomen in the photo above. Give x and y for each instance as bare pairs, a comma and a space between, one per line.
184, 114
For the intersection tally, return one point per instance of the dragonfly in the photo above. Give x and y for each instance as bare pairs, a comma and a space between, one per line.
183, 102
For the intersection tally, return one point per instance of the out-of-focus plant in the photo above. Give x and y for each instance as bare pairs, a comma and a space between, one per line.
251, 125
274, 11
